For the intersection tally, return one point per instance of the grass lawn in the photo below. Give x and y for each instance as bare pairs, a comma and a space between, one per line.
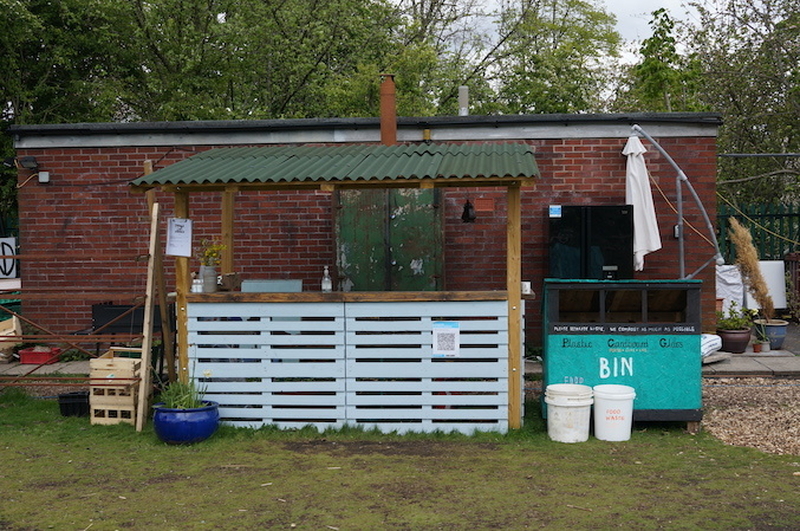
63, 473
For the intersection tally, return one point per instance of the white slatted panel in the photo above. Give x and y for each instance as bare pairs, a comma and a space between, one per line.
278, 363
367, 364
395, 384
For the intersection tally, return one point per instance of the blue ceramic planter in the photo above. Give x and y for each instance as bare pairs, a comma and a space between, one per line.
186, 426
774, 330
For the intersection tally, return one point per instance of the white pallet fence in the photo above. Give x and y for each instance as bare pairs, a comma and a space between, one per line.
367, 364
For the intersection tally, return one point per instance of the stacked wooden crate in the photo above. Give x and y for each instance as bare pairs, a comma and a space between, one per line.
114, 388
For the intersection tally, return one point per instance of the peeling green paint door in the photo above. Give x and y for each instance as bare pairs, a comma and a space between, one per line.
389, 240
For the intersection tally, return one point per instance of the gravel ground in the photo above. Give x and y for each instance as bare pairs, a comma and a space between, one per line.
761, 413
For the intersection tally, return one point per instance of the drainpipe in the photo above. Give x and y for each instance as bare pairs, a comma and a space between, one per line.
388, 111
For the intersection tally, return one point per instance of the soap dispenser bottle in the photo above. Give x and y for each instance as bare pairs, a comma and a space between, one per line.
327, 283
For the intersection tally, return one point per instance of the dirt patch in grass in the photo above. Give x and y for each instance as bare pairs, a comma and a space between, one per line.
413, 448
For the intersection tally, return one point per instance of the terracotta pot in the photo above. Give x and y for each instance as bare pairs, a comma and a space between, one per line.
757, 347
734, 341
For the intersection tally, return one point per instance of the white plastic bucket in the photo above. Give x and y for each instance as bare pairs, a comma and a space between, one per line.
613, 412
568, 412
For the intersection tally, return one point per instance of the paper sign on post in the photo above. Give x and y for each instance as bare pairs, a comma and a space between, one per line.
445, 339
179, 237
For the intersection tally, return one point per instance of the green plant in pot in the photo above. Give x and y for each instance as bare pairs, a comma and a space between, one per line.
761, 342
183, 416
735, 327
747, 261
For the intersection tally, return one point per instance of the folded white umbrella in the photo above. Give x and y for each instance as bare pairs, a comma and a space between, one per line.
646, 238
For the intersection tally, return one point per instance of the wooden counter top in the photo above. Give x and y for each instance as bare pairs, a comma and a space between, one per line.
351, 296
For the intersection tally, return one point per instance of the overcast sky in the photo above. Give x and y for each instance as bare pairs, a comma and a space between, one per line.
633, 16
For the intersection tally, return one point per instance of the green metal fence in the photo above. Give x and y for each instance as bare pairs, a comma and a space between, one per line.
775, 229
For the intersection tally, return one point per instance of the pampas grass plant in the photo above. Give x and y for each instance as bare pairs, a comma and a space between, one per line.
747, 260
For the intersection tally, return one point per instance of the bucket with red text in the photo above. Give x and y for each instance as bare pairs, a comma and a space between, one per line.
613, 412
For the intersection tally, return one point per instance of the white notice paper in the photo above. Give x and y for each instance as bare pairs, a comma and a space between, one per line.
179, 237
445, 340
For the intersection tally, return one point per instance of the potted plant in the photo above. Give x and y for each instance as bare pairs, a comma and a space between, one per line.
734, 327
761, 342
210, 255
183, 416
747, 260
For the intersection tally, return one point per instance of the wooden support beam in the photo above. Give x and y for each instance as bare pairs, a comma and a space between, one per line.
183, 285
228, 211
145, 386
514, 280
167, 334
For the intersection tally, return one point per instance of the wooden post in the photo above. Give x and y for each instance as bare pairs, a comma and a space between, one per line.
167, 334
514, 279
227, 210
147, 338
183, 285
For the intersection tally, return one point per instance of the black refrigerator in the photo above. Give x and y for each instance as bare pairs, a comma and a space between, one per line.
591, 241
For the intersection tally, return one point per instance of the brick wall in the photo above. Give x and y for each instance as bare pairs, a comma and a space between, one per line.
86, 228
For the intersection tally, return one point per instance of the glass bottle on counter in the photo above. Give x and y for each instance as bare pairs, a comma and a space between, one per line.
327, 283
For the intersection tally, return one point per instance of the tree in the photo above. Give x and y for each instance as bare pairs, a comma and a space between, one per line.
663, 80
552, 58
58, 61
750, 58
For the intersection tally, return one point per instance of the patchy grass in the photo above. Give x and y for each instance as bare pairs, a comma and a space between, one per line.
63, 473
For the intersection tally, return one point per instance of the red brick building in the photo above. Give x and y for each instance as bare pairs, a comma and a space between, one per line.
81, 232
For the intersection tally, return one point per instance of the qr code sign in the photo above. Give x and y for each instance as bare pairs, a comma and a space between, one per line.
446, 341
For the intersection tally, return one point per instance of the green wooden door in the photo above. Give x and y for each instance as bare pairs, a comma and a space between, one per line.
389, 240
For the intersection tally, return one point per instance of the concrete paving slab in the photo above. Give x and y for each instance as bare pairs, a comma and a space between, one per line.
738, 366
782, 366
770, 354
67, 367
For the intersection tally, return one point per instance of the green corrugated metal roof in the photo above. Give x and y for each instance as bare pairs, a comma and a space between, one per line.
349, 163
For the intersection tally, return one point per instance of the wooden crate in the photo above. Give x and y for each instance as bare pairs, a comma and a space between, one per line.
114, 389
101, 414
109, 366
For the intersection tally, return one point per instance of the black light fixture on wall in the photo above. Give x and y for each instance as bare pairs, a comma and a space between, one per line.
27, 163
468, 215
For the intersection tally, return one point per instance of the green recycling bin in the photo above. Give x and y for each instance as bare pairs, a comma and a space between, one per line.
643, 334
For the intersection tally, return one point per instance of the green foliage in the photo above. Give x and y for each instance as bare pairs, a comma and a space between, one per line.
61, 60
749, 53
182, 395
551, 60
663, 80
106, 60
74, 355
736, 318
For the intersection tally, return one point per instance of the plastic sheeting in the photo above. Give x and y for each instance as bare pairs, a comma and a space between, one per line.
730, 286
